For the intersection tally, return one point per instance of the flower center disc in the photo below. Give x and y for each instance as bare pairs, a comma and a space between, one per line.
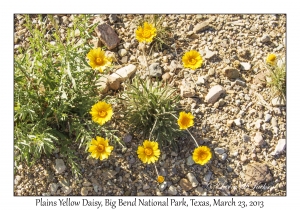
148, 151
102, 113
99, 60
100, 148
203, 155
185, 121
192, 61
146, 34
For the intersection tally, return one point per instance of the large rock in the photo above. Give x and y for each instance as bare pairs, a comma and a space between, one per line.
107, 36
214, 93
256, 174
125, 72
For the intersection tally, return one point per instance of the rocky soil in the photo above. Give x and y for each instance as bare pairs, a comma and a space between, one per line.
235, 113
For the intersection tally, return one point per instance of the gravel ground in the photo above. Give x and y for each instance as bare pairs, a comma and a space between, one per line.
243, 127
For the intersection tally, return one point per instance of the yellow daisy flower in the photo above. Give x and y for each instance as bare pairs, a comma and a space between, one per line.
98, 60
100, 148
271, 59
149, 152
160, 179
145, 33
192, 60
185, 120
101, 112
202, 155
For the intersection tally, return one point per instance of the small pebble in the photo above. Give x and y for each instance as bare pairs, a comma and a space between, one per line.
268, 117
238, 122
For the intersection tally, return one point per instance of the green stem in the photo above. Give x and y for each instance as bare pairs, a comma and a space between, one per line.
152, 129
155, 169
146, 59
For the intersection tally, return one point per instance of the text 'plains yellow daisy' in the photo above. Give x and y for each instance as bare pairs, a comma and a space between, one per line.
192, 60
149, 152
185, 120
101, 112
271, 59
160, 179
202, 155
100, 148
145, 33
97, 59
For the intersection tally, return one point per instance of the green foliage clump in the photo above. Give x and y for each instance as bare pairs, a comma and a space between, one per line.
151, 108
277, 82
54, 89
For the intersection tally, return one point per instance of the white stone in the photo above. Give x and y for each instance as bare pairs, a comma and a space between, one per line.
211, 72
279, 47
219, 151
258, 124
268, 117
66, 190
125, 72
187, 89
209, 54
77, 33
142, 61
258, 139
53, 188
122, 52
60, 166
214, 93
201, 80
265, 38
124, 59
155, 55
126, 45
172, 190
163, 186
245, 66
165, 59
132, 58
191, 177
224, 156
279, 147
238, 122
240, 82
